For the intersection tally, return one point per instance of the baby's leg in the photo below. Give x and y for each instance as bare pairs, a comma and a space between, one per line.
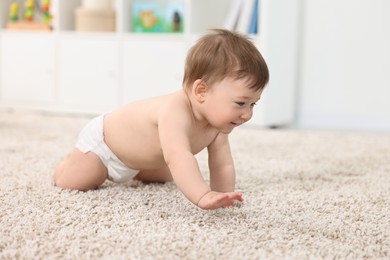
159, 175
81, 171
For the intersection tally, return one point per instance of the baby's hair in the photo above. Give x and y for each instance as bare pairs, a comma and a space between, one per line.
222, 54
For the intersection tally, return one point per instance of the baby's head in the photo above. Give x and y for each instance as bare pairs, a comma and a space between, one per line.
222, 54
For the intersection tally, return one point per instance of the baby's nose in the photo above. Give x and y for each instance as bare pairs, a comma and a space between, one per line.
247, 115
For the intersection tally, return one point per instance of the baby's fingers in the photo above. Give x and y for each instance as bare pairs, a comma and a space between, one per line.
229, 199
235, 196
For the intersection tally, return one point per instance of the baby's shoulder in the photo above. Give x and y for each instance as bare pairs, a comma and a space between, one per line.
176, 103
175, 110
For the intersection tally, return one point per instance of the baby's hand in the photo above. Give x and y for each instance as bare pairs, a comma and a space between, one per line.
215, 200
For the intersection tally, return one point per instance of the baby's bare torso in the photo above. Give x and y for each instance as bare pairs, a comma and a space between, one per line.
131, 131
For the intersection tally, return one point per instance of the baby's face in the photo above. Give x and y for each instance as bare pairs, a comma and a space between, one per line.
229, 103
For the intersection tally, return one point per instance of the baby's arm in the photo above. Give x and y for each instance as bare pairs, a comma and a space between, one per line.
222, 175
186, 174
174, 128
214, 199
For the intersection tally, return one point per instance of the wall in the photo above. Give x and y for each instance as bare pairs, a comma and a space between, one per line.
344, 79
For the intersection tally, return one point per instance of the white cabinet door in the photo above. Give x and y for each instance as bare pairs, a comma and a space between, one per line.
27, 68
277, 42
152, 66
88, 73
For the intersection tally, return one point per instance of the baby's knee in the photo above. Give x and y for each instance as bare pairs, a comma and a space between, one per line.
58, 179
61, 180
64, 182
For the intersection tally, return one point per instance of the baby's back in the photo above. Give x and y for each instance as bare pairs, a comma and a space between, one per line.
131, 132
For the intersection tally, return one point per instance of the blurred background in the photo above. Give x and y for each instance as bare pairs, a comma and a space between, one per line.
344, 64
329, 59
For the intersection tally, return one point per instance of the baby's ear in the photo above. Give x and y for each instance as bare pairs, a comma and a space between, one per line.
199, 90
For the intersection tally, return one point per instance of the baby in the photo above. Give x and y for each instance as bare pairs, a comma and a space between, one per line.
155, 139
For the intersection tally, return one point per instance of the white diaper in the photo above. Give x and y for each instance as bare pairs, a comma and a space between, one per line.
91, 139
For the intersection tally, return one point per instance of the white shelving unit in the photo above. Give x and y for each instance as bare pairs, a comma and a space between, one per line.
93, 72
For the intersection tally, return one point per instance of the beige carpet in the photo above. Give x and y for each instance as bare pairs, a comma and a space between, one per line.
308, 195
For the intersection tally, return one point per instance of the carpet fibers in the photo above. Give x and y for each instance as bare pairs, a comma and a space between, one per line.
308, 195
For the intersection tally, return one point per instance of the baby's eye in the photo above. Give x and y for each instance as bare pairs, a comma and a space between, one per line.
253, 104
240, 103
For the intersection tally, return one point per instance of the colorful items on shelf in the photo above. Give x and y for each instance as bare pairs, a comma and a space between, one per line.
29, 12
158, 17
13, 12
35, 16
47, 17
